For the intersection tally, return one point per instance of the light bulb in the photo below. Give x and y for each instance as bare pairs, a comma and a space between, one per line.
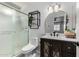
57, 7
50, 8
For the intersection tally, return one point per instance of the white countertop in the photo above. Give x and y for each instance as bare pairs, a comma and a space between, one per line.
63, 38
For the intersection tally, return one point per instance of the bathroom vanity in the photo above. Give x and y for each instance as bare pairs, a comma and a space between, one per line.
57, 46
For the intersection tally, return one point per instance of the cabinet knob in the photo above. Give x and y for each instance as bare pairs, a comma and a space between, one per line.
69, 47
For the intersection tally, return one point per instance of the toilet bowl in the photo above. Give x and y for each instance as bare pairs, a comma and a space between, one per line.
33, 44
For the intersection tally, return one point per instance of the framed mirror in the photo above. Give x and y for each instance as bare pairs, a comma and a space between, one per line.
55, 22
34, 19
59, 24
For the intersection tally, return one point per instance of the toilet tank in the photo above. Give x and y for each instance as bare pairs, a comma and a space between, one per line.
34, 41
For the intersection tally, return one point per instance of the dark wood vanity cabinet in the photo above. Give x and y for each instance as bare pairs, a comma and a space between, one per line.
55, 48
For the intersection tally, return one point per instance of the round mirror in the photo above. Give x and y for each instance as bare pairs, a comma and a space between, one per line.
55, 22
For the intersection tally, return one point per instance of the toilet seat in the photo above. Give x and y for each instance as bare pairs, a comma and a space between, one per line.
28, 48
33, 44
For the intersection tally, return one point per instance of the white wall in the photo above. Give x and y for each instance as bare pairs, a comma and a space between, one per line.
77, 25
43, 8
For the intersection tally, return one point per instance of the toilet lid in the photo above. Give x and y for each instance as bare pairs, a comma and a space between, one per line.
28, 47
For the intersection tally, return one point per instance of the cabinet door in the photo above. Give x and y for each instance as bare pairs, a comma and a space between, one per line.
69, 49
56, 48
45, 48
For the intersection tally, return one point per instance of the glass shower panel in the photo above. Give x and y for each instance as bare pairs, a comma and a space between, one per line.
13, 31
21, 32
6, 31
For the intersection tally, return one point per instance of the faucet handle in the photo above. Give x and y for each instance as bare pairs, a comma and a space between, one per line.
51, 34
54, 33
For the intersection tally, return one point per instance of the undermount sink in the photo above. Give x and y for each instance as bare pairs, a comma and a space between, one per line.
60, 37
49, 35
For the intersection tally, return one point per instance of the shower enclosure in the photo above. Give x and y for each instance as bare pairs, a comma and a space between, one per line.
13, 31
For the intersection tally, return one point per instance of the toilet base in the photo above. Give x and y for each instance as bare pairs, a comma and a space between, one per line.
33, 53
30, 55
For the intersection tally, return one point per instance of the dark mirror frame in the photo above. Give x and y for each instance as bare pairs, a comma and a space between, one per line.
34, 17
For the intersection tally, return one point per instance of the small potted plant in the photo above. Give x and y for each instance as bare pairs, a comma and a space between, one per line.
69, 33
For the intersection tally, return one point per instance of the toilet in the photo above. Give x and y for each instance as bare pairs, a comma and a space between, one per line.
33, 44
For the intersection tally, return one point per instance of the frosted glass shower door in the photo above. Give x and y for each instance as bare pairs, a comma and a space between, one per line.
7, 31
13, 31
21, 39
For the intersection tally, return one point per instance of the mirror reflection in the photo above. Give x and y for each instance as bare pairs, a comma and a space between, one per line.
59, 22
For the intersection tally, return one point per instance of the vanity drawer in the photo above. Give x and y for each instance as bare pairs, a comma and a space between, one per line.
68, 49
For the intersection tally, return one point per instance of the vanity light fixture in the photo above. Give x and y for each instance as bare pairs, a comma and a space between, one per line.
54, 8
